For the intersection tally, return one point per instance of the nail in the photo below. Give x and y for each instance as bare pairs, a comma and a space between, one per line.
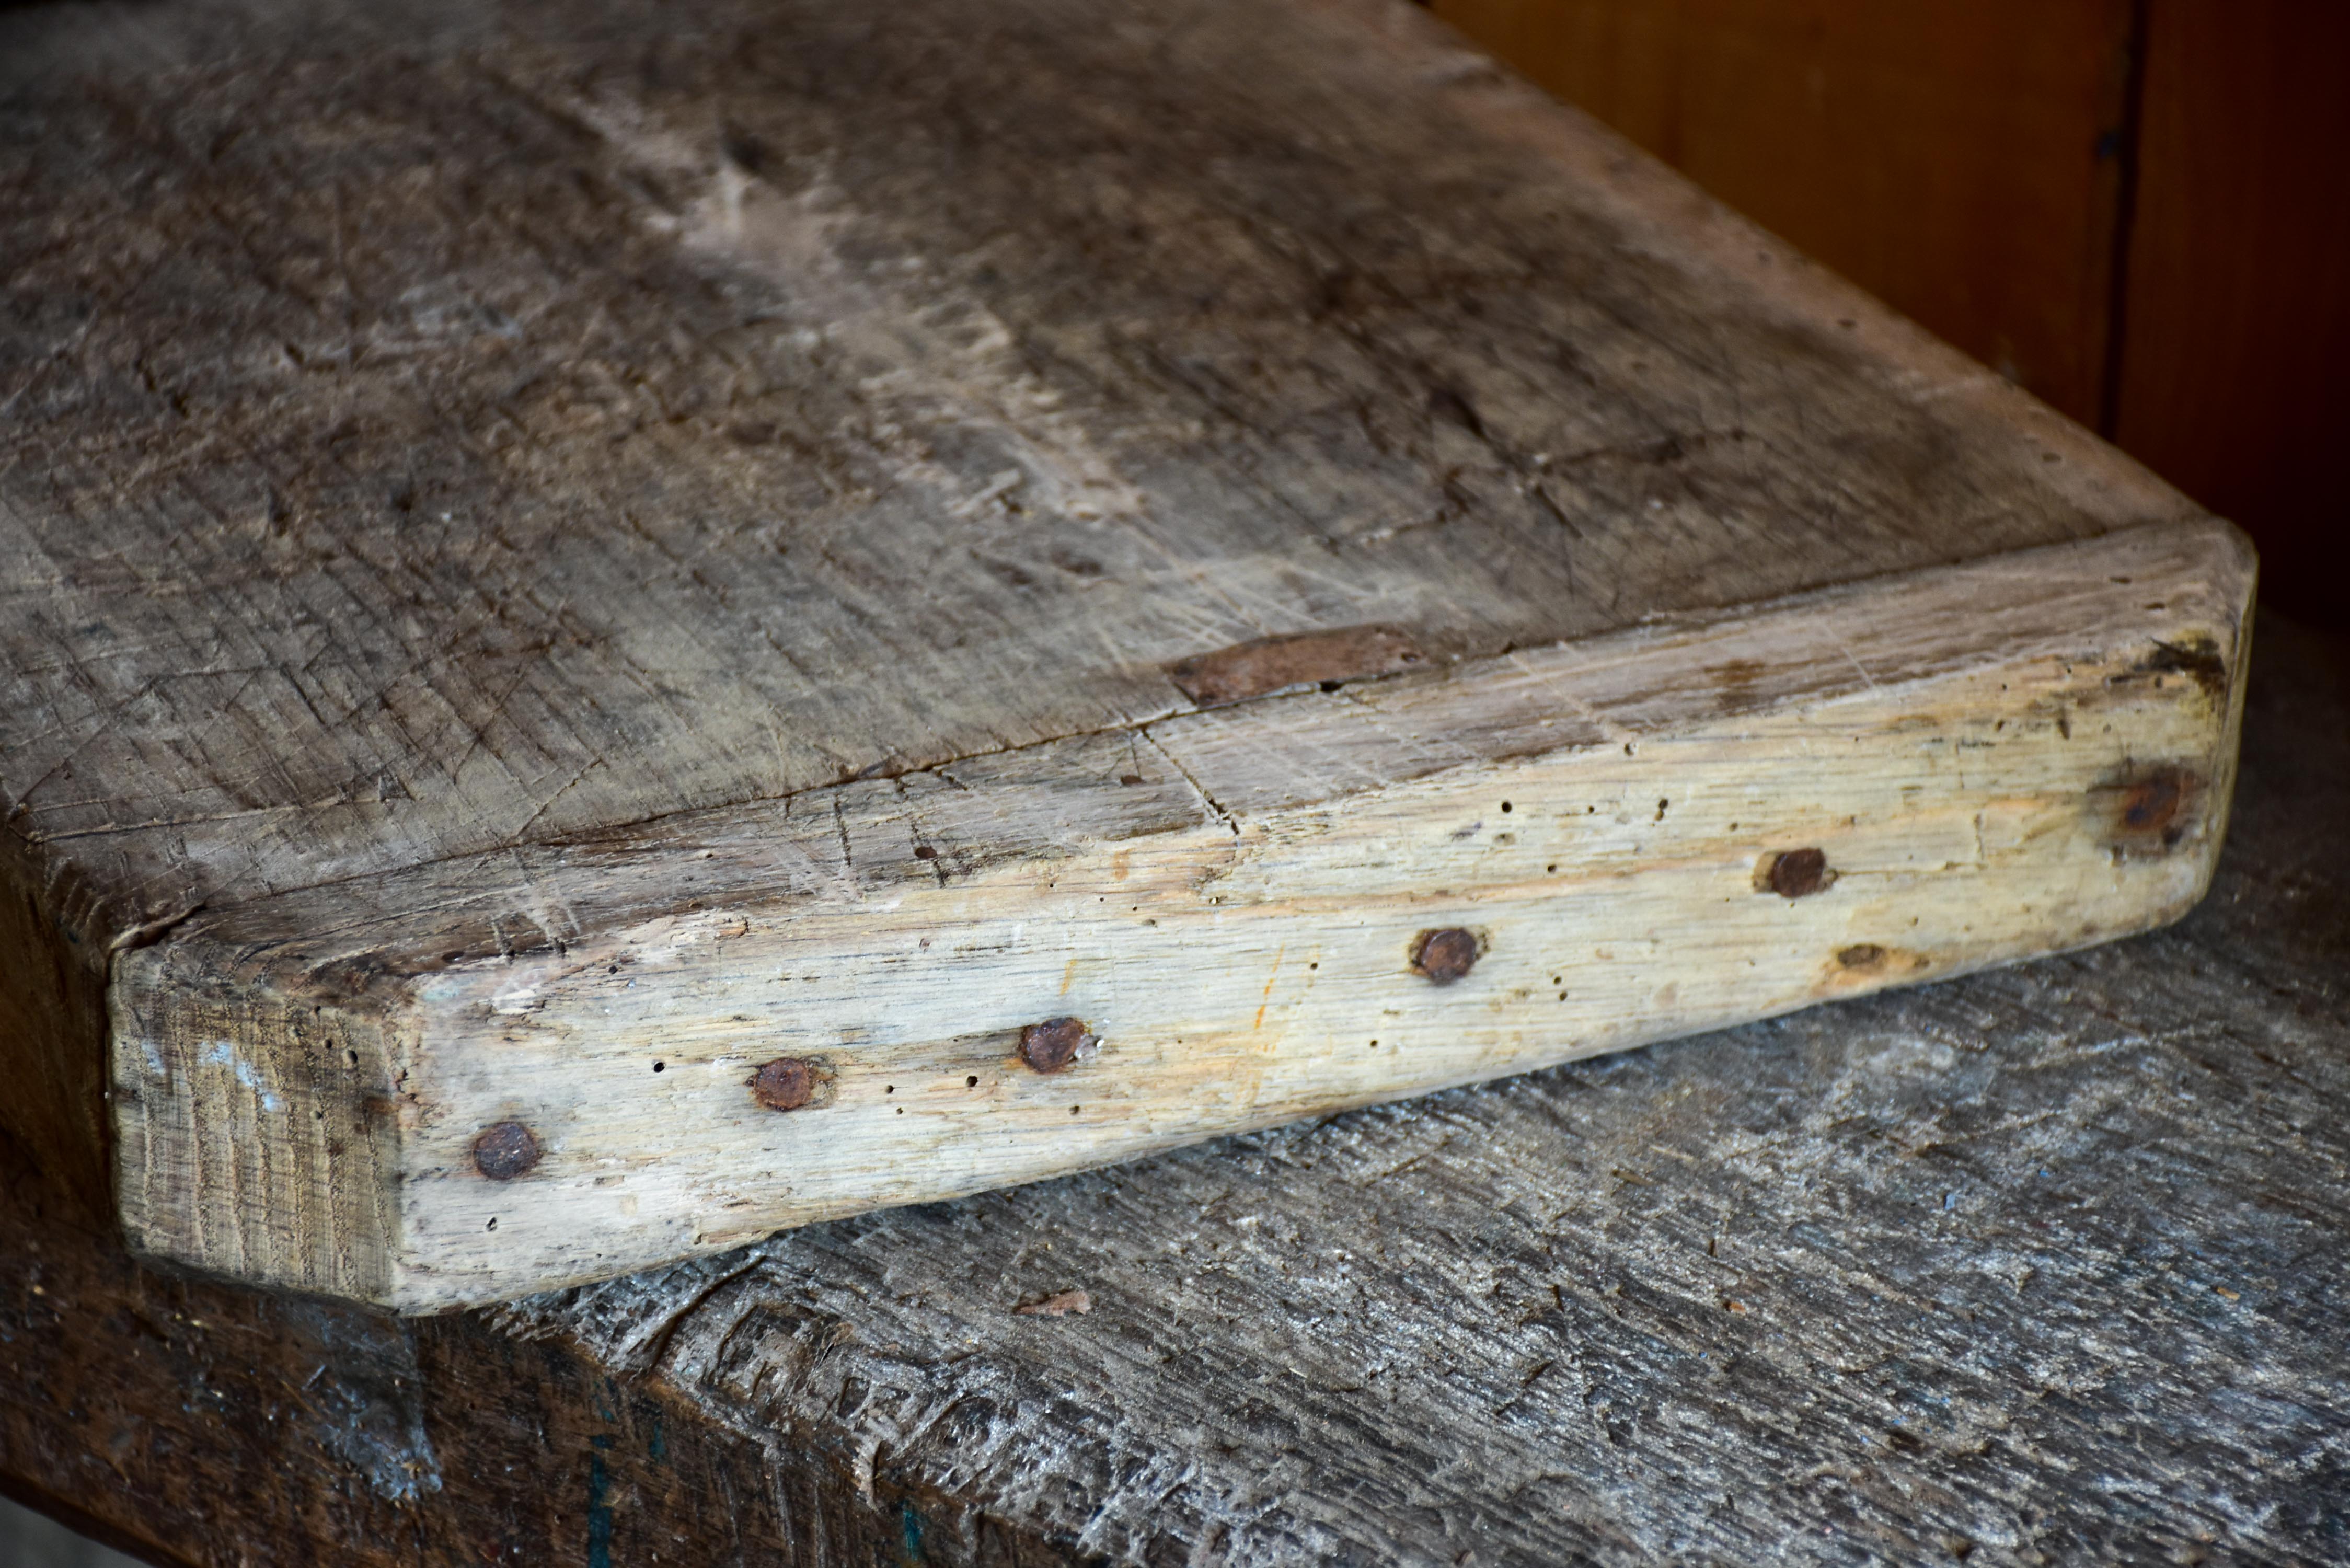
1054, 1044
1443, 956
1796, 873
785, 1084
2149, 806
504, 1151
2152, 807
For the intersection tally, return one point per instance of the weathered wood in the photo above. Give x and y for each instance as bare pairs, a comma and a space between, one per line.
438, 439
2042, 1265
487, 1077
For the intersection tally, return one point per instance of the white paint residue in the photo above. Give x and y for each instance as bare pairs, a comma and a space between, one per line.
224, 1054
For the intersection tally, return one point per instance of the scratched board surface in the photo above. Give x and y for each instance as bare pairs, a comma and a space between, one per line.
428, 431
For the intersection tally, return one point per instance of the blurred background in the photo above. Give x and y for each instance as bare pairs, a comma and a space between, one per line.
2137, 209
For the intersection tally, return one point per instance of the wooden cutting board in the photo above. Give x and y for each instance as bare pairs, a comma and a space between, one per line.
624, 629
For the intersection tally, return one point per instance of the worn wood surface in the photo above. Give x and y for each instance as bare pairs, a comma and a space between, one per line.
437, 435
2042, 1265
482, 1079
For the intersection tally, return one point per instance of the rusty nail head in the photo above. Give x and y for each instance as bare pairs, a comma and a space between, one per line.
1054, 1044
785, 1084
1797, 873
2149, 805
504, 1150
1444, 956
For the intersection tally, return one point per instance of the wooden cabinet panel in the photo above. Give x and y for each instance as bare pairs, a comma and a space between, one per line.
2238, 318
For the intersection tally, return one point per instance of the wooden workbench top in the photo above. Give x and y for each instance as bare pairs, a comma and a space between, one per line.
2047, 1265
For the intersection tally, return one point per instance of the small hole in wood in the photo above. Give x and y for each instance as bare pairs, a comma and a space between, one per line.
1075, 1109
493, 1224
1506, 806
971, 1082
660, 1067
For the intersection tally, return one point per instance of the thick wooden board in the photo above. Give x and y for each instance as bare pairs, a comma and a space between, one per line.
491, 1077
2045, 1264
440, 436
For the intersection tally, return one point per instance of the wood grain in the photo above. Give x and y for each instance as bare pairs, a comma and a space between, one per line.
2045, 1264
436, 439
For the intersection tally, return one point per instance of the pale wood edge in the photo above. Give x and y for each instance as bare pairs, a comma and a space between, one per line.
317, 1151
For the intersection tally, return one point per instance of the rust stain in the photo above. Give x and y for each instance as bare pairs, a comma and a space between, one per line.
1444, 956
1055, 1043
787, 1083
1793, 873
1266, 1000
1301, 658
2148, 809
504, 1150
1863, 964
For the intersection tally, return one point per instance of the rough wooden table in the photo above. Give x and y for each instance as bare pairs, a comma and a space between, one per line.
623, 627
2048, 1265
